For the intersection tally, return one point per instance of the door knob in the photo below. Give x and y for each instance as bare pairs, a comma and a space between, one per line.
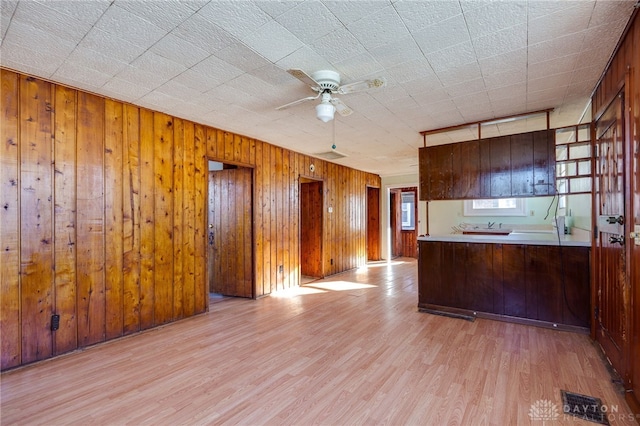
616, 239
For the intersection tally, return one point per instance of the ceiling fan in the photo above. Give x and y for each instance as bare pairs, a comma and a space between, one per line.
326, 83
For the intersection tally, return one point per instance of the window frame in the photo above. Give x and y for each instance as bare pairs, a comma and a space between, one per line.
519, 211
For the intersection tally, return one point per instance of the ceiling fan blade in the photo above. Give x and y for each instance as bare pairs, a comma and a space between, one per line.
362, 85
304, 77
299, 101
342, 109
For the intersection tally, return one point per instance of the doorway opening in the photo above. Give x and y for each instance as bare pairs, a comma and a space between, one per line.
311, 226
230, 231
403, 222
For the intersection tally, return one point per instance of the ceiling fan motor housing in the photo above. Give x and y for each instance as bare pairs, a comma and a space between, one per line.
328, 80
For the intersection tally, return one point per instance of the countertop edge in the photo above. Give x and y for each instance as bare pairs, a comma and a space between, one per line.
523, 238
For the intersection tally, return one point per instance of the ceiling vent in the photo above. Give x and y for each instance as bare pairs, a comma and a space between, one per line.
330, 155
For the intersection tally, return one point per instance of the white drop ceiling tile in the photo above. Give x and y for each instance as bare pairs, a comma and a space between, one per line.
579, 88
148, 80
441, 35
540, 9
127, 91
557, 24
29, 37
40, 63
338, 45
118, 22
494, 16
557, 81
351, 11
239, 18
452, 57
177, 90
428, 84
399, 51
179, 50
427, 97
166, 14
505, 93
274, 75
87, 11
277, 7
359, 67
80, 76
554, 66
50, 21
241, 57
500, 42
460, 75
388, 28
419, 14
515, 61
163, 68
604, 37
273, 41
606, 12
558, 47
589, 74
111, 46
216, 70
198, 31
410, 70
309, 21
96, 61
304, 58
468, 87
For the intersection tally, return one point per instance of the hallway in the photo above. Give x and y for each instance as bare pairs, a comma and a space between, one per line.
349, 349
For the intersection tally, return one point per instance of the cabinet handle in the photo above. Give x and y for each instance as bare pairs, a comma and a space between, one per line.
616, 239
613, 220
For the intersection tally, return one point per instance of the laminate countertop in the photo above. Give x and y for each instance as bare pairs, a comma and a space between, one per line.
578, 238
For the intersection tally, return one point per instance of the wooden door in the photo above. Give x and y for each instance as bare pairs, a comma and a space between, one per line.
230, 232
395, 218
311, 209
611, 298
373, 223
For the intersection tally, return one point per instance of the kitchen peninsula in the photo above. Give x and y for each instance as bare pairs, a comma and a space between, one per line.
532, 278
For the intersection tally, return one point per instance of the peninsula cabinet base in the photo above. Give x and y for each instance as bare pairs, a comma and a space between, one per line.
529, 284
466, 314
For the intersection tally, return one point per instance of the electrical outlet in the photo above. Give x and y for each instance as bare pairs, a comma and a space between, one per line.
55, 322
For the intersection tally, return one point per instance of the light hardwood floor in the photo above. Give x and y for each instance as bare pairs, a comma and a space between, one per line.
351, 349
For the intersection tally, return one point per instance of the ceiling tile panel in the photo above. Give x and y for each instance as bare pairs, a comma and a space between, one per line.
452, 57
309, 21
123, 24
338, 46
122, 89
27, 36
558, 24
86, 11
351, 11
48, 20
388, 28
507, 62
273, 41
96, 61
238, 18
397, 52
163, 68
166, 14
501, 42
200, 32
553, 66
488, 17
241, 56
419, 14
179, 50
441, 35
40, 63
111, 46
77, 75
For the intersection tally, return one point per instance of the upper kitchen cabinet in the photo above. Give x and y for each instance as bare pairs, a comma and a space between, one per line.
521, 165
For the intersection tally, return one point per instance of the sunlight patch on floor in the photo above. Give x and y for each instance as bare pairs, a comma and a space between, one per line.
296, 291
340, 285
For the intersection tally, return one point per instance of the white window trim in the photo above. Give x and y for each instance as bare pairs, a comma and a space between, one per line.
519, 210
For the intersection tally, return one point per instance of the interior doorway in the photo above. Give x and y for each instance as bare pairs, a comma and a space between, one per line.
403, 222
311, 225
230, 231
373, 224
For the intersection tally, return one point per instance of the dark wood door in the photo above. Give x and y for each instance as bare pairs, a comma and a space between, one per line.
373, 224
611, 299
311, 207
230, 232
395, 216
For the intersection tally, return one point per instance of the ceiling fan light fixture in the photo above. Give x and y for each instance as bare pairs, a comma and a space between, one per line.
325, 111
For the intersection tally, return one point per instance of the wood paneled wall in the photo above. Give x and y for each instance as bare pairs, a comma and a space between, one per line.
624, 69
104, 210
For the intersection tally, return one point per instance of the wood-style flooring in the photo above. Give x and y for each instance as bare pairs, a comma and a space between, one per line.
348, 350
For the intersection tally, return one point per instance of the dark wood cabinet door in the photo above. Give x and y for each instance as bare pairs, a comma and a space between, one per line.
480, 286
544, 162
440, 172
522, 165
466, 170
514, 285
500, 166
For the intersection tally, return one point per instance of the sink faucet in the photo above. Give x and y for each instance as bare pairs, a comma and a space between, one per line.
490, 225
